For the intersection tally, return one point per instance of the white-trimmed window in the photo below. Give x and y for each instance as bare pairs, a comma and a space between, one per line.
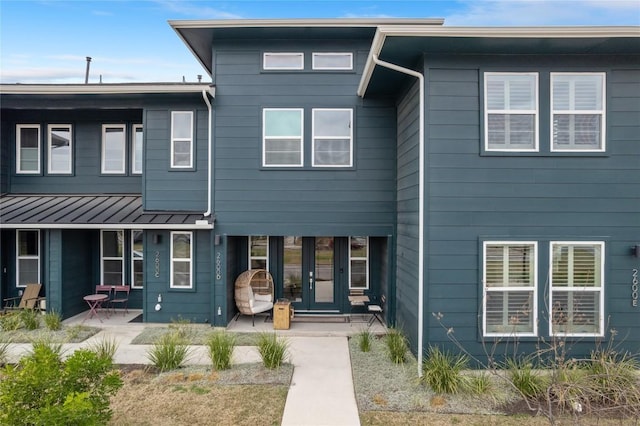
511, 111
137, 138
181, 259
578, 112
259, 252
358, 263
282, 132
28, 148
576, 298
181, 139
332, 142
112, 257
332, 61
59, 148
510, 288
137, 259
283, 61
27, 257
114, 143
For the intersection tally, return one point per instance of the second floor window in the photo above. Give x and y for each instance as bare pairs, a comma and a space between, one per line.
28, 148
136, 149
332, 61
283, 61
59, 148
181, 139
282, 137
332, 138
113, 148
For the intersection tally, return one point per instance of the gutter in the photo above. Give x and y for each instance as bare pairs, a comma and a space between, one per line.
205, 96
421, 141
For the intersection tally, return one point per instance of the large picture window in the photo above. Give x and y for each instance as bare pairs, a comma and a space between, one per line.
511, 111
577, 288
510, 282
27, 257
358, 263
137, 259
181, 260
112, 257
114, 144
332, 138
59, 148
28, 148
259, 252
578, 111
181, 139
282, 137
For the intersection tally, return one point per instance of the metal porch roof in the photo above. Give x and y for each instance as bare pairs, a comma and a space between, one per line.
90, 212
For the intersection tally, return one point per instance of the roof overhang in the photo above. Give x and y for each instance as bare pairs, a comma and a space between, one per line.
200, 35
105, 89
406, 44
31, 211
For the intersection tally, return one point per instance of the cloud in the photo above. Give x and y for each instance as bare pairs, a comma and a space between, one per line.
545, 12
194, 10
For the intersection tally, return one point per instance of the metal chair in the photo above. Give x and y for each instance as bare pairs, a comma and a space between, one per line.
121, 296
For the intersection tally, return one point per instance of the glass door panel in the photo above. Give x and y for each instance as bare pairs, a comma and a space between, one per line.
324, 271
292, 280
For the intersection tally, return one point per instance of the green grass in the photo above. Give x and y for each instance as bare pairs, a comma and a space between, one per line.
220, 345
396, 346
169, 353
442, 371
273, 350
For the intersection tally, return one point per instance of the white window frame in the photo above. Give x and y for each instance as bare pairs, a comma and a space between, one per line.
123, 153
506, 289
181, 260
602, 112
265, 258
570, 288
535, 112
26, 257
318, 54
299, 66
135, 258
291, 137
184, 139
134, 157
314, 137
50, 128
103, 258
19, 127
366, 260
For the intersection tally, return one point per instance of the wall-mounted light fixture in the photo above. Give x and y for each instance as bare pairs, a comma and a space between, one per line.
157, 238
217, 239
159, 298
635, 250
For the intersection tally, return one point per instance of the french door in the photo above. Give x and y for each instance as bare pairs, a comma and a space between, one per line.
309, 279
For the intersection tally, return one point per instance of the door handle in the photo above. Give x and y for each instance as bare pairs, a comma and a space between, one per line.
310, 280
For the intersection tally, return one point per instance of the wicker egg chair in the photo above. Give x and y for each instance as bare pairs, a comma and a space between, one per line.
254, 293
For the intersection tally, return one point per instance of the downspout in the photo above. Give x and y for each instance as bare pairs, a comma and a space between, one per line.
205, 96
421, 197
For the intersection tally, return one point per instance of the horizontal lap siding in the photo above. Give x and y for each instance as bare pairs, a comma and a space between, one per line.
250, 199
540, 197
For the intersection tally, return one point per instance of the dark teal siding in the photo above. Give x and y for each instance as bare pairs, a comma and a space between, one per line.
80, 270
542, 197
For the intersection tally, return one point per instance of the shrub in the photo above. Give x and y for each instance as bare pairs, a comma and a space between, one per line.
182, 327
105, 348
272, 350
221, 345
480, 384
524, 378
30, 319
169, 353
396, 346
4, 352
10, 322
44, 390
365, 338
613, 380
442, 371
53, 321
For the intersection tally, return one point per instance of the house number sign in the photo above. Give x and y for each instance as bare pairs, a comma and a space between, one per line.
218, 266
634, 288
156, 264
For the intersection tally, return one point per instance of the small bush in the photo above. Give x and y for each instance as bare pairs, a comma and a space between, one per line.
524, 378
272, 350
105, 348
365, 337
442, 371
182, 327
169, 353
10, 322
221, 345
53, 321
30, 319
396, 346
4, 352
480, 384
613, 380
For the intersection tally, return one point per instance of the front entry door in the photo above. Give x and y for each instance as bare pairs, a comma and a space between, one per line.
309, 273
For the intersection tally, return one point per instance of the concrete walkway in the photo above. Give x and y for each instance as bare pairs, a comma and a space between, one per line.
321, 391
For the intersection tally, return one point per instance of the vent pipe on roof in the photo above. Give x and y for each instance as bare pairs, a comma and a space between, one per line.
86, 74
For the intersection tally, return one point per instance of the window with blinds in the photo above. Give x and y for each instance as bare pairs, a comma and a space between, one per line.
576, 298
511, 111
577, 111
510, 288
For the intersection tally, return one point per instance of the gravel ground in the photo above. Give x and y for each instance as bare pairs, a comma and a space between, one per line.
196, 335
68, 334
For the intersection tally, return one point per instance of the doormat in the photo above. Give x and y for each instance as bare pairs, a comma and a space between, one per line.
137, 319
317, 319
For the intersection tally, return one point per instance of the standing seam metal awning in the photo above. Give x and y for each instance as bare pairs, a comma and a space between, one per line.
90, 212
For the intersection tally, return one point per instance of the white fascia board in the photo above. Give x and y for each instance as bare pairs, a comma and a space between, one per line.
292, 23
166, 226
370, 65
103, 89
